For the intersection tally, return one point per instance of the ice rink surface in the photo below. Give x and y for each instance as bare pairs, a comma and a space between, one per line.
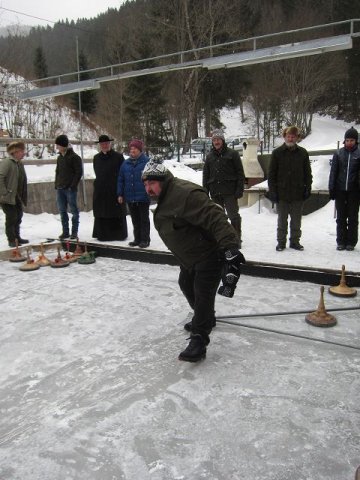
91, 387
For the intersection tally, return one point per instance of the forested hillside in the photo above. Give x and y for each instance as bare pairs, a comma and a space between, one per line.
179, 106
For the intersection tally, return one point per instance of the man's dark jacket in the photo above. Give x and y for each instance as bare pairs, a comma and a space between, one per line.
68, 170
289, 175
190, 224
223, 173
106, 168
345, 171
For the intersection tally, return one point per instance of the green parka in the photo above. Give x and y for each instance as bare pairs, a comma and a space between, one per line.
11, 173
190, 224
289, 175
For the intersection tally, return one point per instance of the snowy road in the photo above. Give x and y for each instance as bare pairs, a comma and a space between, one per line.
91, 387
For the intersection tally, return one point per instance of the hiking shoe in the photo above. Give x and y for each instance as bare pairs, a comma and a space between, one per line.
22, 241
64, 236
340, 247
144, 244
12, 244
349, 248
133, 244
73, 237
296, 246
280, 247
195, 351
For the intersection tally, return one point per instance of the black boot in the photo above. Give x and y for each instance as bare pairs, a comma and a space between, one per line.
195, 351
22, 241
64, 236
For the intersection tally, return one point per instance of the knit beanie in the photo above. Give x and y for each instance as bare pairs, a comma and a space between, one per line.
352, 133
218, 134
135, 142
154, 171
62, 140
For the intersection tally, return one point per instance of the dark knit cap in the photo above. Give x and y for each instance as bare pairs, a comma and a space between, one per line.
352, 133
135, 142
62, 140
104, 138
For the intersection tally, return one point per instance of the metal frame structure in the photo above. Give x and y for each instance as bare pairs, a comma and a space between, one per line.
248, 53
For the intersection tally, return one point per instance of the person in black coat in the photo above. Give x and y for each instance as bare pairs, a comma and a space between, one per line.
68, 174
345, 190
109, 216
223, 178
289, 181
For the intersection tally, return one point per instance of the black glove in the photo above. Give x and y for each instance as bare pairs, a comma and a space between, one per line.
332, 194
239, 194
231, 272
272, 196
307, 193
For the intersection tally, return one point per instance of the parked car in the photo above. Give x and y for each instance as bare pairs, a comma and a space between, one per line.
236, 142
201, 144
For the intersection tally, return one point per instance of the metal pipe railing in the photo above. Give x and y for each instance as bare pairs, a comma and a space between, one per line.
181, 54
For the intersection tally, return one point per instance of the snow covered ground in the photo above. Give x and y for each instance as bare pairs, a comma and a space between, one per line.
91, 388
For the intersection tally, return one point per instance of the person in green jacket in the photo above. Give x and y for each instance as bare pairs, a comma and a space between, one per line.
197, 232
13, 191
289, 182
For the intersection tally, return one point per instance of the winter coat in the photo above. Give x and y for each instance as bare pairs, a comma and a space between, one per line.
68, 171
190, 224
289, 175
13, 181
345, 171
223, 173
106, 168
130, 186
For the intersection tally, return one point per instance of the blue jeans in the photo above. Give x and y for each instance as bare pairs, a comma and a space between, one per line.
67, 198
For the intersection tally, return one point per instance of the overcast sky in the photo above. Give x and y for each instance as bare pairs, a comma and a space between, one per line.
51, 10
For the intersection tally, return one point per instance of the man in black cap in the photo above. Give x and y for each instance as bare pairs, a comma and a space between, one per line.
67, 177
223, 178
109, 215
344, 188
197, 232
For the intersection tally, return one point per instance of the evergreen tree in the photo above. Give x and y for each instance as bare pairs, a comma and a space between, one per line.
40, 66
88, 98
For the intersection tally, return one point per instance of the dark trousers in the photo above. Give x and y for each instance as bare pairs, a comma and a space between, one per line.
347, 217
199, 285
67, 198
139, 212
13, 218
294, 210
230, 204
